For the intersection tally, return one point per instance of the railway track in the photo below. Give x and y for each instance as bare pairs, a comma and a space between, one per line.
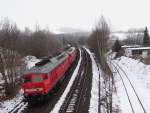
124, 77
76, 96
19, 107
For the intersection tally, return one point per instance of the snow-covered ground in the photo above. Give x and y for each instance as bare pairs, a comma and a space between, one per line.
30, 61
95, 84
1, 79
9, 105
139, 74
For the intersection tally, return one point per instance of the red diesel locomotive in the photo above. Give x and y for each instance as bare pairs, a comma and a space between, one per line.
43, 77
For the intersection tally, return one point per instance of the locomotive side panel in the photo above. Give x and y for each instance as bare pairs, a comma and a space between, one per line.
53, 77
46, 82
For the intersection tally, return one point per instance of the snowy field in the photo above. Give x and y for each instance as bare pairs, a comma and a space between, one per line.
139, 74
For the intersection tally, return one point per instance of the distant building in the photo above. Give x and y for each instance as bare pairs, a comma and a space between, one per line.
130, 46
143, 52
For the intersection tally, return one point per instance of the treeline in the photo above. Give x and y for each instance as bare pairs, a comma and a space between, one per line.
137, 37
98, 41
39, 43
134, 37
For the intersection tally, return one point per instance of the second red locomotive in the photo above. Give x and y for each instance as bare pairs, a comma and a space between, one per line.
42, 78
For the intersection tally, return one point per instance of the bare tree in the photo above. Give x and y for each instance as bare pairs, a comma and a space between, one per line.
134, 37
98, 42
8, 55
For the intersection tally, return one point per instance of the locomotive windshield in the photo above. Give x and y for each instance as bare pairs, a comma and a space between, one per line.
27, 79
37, 78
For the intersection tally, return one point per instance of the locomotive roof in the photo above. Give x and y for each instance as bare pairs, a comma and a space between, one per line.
52, 64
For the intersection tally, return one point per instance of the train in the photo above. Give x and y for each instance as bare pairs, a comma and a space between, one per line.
46, 74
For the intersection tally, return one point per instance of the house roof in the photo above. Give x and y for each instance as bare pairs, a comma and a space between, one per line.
130, 46
139, 48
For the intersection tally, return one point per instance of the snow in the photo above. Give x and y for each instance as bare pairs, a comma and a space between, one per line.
22, 108
58, 32
8, 105
94, 92
30, 61
139, 74
64, 95
1, 81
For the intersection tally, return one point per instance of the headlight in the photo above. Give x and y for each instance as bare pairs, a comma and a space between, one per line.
33, 89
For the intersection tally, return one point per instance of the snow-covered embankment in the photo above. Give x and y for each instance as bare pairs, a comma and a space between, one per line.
139, 74
93, 108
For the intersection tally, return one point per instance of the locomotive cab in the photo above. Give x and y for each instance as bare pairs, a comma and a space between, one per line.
34, 84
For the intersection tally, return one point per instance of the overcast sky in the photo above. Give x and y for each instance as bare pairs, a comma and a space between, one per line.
81, 14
